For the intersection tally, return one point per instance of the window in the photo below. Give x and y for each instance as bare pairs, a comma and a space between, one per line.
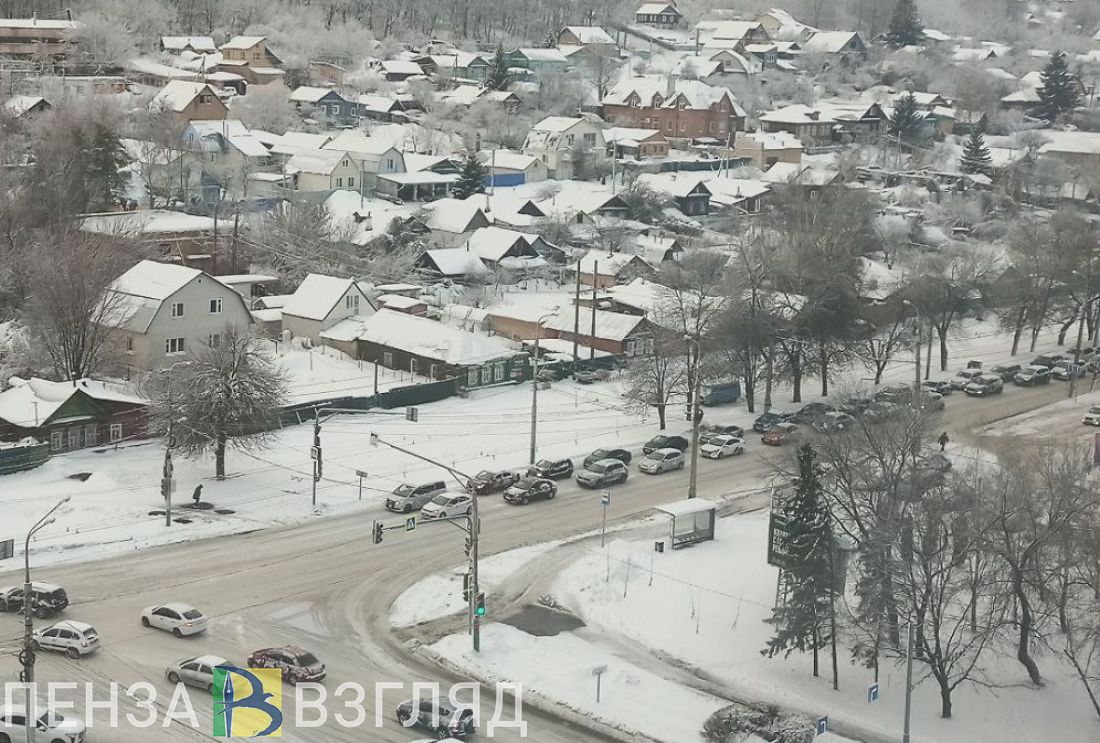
471, 376
351, 183
57, 441
216, 306
590, 139
173, 346
569, 140
486, 374
74, 437
668, 125
116, 432
389, 164
206, 98
129, 344
498, 371
334, 109
91, 434
414, 363
712, 126
345, 162
387, 359
683, 126
339, 182
214, 340
351, 301
433, 371
177, 309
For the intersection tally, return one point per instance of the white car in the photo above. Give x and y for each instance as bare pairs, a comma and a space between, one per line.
662, 460
51, 726
72, 638
198, 672
447, 505
179, 619
1092, 417
722, 446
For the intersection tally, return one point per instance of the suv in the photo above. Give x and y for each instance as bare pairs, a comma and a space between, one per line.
1092, 416
437, 717
46, 599
769, 419
601, 473
621, 454
1067, 370
985, 385
964, 377
1032, 375
197, 672
50, 725
552, 469
1006, 371
447, 504
72, 638
529, 489
297, 664
407, 498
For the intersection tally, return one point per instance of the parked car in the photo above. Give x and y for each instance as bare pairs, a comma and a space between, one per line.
491, 482
1031, 375
662, 460
602, 473
447, 505
715, 430
931, 402
529, 489
1092, 416
897, 393
179, 619
407, 498
769, 419
1067, 370
552, 469
50, 725
437, 717
812, 411
621, 454
780, 434
588, 376
984, 386
938, 386
833, 421
1047, 359
72, 638
198, 672
46, 599
964, 377
722, 446
856, 406
720, 394
880, 411
297, 664
1005, 371
666, 442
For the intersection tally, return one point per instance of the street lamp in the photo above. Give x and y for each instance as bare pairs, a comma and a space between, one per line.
28, 617
167, 482
694, 411
535, 382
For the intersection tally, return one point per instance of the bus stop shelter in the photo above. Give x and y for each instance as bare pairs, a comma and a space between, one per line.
692, 521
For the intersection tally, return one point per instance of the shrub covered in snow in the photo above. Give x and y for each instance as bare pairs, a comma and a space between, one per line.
737, 722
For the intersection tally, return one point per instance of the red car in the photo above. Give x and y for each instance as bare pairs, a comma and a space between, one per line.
485, 482
297, 664
780, 434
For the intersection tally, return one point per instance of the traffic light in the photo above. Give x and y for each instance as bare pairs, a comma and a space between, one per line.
376, 536
466, 587
480, 609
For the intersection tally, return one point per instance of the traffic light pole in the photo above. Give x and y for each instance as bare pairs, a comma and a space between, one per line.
315, 453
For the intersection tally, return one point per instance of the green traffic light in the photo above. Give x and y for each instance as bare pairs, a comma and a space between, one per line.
481, 611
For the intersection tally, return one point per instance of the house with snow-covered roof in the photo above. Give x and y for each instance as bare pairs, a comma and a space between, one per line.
554, 139
322, 170
372, 156
320, 302
156, 313
602, 269
593, 38
780, 25
452, 221
457, 264
181, 44
326, 104
189, 101
25, 106
826, 123
497, 246
658, 15
743, 32
638, 143
765, 149
677, 107
251, 58
844, 44
511, 168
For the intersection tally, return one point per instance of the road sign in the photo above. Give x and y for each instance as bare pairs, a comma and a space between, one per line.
7, 548
360, 473
167, 485
605, 499
822, 725
314, 453
779, 537
410, 523
872, 693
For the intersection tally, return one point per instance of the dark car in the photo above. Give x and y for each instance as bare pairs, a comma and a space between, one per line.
621, 454
939, 386
1005, 371
896, 393
986, 385
297, 664
491, 482
1047, 359
713, 431
780, 434
880, 411
529, 489
1032, 375
856, 406
769, 419
46, 599
666, 442
553, 469
811, 412
589, 376
438, 718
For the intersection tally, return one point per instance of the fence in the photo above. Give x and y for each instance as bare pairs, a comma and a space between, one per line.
397, 397
19, 458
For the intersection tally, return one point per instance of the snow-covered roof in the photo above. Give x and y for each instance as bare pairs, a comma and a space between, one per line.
710, 29
687, 507
246, 278
18, 105
180, 43
615, 326
604, 263
631, 134
656, 9
146, 222
178, 94
451, 215
507, 159
828, 42
556, 124
232, 131
154, 280
317, 295
309, 94
399, 301
322, 162
379, 103
456, 262
541, 54
769, 141
39, 23
695, 93
732, 191
29, 403
1083, 143
363, 219
678, 185
432, 340
243, 42
492, 243
799, 173
304, 140
401, 67
463, 95
359, 145
933, 35
963, 54
590, 34
800, 113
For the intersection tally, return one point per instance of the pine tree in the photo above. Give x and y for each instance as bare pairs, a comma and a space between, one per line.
906, 120
905, 25
976, 157
499, 78
471, 179
802, 620
551, 41
1058, 92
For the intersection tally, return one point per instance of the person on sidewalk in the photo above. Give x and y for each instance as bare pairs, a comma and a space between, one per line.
197, 495
943, 440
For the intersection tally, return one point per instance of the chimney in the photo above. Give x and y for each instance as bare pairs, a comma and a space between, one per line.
670, 89
814, 115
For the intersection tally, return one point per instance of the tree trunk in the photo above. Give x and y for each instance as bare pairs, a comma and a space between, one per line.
219, 457
661, 414
750, 395
817, 642
1023, 649
796, 377
945, 700
1017, 331
824, 372
769, 370
1063, 330
942, 333
1085, 679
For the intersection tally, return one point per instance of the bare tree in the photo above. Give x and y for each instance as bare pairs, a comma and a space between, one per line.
947, 285
655, 379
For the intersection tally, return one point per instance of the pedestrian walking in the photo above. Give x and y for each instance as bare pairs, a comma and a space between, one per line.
943, 440
197, 495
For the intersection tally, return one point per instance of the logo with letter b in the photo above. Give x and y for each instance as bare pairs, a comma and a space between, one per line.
248, 702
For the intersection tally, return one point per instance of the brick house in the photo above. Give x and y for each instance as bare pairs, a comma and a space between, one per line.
71, 415
675, 107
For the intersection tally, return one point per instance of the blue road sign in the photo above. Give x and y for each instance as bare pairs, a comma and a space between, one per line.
872, 693
605, 499
822, 725
410, 523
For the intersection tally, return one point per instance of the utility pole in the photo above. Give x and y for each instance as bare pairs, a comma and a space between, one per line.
908, 681
168, 482
535, 387
916, 363
315, 452
577, 316
694, 472
592, 338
